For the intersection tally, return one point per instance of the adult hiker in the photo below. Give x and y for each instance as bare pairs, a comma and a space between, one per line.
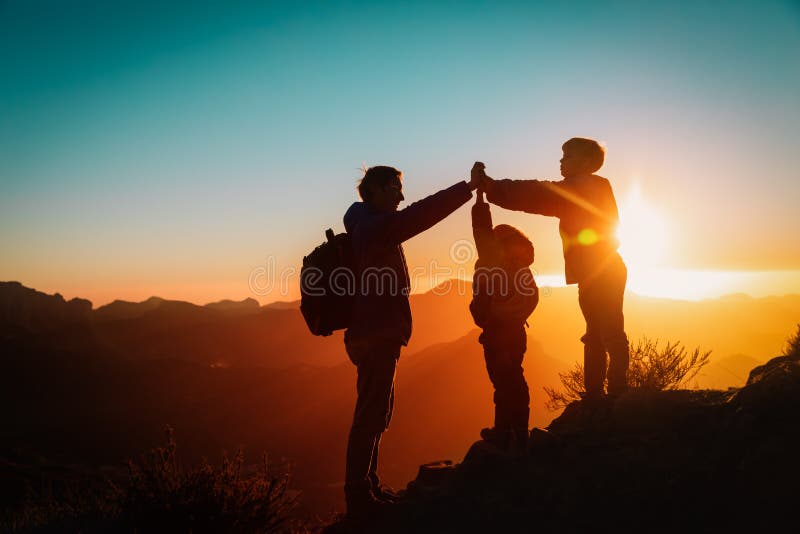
381, 321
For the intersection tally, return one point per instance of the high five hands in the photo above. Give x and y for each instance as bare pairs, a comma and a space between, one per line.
479, 180
476, 176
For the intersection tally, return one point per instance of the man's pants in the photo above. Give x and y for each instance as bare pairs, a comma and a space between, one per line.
601, 303
376, 363
511, 396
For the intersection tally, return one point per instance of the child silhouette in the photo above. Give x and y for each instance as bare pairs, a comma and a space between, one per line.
504, 295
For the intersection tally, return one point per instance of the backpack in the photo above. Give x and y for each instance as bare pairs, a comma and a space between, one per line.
328, 285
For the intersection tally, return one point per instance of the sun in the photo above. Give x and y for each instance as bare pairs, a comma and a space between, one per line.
644, 237
644, 240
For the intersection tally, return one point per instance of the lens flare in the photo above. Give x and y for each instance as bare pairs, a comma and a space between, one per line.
644, 242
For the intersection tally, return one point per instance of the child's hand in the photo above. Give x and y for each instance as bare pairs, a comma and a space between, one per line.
479, 196
476, 175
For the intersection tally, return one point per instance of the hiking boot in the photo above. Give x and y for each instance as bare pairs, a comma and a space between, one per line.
518, 444
498, 438
385, 493
614, 393
593, 397
364, 505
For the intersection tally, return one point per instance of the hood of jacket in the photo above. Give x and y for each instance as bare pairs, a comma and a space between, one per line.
356, 214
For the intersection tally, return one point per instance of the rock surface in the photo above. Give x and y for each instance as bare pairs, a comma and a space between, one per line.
650, 461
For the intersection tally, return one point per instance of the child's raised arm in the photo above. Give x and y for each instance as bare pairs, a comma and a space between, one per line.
487, 246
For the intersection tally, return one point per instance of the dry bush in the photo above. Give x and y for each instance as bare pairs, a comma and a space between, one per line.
162, 496
76, 509
652, 367
792, 349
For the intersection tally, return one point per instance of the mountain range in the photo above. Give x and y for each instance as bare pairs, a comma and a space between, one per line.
94, 386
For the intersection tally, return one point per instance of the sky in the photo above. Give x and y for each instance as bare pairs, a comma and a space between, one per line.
199, 150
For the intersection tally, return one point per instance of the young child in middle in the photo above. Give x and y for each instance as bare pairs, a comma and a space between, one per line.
504, 295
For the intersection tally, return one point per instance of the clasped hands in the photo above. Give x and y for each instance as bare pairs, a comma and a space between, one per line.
479, 180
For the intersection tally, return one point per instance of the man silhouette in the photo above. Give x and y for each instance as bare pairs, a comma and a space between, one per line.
585, 205
381, 320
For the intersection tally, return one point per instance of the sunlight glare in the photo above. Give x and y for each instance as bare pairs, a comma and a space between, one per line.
642, 233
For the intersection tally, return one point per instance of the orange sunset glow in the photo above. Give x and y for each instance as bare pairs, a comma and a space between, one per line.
388, 267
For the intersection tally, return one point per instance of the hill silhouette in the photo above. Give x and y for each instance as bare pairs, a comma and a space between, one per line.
24, 310
91, 388
652, 461
122, 309
232, 333
105, 411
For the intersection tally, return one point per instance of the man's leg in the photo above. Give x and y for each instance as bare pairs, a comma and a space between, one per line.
360, 445
374, 480
376, 369
379, 490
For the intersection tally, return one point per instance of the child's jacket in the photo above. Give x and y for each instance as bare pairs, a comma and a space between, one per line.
502, 296
588, 217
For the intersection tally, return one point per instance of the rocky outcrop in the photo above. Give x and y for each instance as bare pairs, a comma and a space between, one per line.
27, 310
648, 462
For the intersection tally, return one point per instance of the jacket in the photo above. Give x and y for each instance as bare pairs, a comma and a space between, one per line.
381, 308
503, 297
588, 217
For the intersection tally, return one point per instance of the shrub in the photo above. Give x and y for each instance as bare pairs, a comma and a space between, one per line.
81, 508
792, 349
652, 367
162, 496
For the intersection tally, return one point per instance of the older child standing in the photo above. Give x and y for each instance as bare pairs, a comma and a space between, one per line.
584, 202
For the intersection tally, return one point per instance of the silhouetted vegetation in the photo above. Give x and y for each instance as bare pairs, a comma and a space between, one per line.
164, 496
793, 345
81, 507
160, 495
652, 367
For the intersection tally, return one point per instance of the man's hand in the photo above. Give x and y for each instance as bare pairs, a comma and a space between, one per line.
487, 183
477, 175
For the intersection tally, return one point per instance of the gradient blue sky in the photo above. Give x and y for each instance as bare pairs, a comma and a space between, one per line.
171, 149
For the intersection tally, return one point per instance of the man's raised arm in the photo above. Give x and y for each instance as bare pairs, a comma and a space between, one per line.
396, 227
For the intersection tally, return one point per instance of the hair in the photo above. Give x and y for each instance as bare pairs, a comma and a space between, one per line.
378, 176
509, 236
592, 152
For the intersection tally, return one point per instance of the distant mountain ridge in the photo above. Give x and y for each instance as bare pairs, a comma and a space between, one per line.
229, 332
30, 309
27, 306
241, 307
221, 334
122, 309
234, 373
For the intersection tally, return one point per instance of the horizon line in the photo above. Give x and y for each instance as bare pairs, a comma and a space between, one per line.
546, 281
